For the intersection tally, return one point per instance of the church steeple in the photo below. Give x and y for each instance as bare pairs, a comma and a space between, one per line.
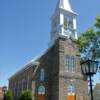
63, 22
64, 4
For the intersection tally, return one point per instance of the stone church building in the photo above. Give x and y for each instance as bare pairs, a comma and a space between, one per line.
56, 74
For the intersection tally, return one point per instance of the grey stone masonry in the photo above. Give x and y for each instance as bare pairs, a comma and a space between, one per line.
69, 47
57, 79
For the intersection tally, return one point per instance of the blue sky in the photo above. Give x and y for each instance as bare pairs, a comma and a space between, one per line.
25, 30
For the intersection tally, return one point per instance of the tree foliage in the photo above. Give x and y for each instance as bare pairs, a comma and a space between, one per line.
97, 24
26, 95
8, 95
89, 42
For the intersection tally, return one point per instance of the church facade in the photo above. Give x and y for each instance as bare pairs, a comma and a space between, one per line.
56, 74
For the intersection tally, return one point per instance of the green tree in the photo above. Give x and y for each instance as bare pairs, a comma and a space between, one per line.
8, 95
97, 24
89, 42
26, 95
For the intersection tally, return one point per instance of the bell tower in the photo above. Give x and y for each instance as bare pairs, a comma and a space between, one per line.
70, 83
63, 22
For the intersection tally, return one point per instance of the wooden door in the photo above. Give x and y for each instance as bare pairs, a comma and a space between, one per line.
41, 97
71, 97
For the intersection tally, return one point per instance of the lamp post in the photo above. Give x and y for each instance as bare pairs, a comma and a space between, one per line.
4, 89
89, 68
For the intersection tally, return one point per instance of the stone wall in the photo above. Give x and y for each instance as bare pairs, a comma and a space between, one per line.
96, 92
56, 78
69, 47
50, 62
21, 81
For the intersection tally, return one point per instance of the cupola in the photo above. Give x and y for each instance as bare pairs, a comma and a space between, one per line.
63, 22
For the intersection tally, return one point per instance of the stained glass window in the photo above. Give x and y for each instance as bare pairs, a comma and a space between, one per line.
42, 74
70, 63
73, 64
71, 89
66, 63
41, 90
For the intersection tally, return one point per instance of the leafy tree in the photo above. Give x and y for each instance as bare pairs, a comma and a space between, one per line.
26, 95
89, 42
97, 24
8, 95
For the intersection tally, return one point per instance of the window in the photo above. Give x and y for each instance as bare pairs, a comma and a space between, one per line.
65, 23
97, 98
41, 90
70, 63
55, 22
42, 72
66, 63
73, 64
71, 89
98, 91
22, 84
68, 23
28, 80
15, 89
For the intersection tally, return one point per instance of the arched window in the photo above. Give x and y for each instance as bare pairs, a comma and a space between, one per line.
42, 74
65, 23
70, 63
73, 64
71, 89
67, 63
41, 90
68, 23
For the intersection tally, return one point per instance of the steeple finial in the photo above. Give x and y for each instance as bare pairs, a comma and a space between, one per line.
64, 4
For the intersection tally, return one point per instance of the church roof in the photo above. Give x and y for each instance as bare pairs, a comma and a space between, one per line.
31, 63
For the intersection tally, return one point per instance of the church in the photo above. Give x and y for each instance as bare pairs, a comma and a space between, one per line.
56, 74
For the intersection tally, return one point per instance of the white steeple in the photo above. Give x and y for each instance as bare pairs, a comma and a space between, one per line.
63, 22
64, 4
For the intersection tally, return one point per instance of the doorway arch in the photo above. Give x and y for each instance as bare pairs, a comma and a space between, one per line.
71, 92
41, 93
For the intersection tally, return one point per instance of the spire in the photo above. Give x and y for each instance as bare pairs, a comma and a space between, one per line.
63, 22
64, 4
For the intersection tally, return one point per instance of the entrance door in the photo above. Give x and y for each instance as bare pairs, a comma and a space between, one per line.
41, 97
71, 97
41, 93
